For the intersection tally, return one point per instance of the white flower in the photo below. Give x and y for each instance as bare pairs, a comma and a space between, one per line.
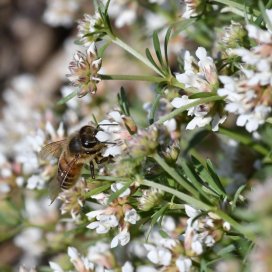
196, 245
131, 216
104, 223
118, 186
80, 263
202, 76
73, 253
183, 264
226, 226
146, 268
179, 102
35, 181
95, 251
60, 12
123, 11
190, 211
113, 133
206, 65
30, 240
127, 267
159, 256
171, 124
121, 238
198, 121
55, 267
168, 224
241, 100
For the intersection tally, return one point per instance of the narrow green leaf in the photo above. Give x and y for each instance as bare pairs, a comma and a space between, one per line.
149, 56
107, 6
155, 217
236, 4
245, 139
264, 14
194, 179
67, 98
201, 95
123, 101
157, 47
166, 41
203, 265
102, 49
182, 25
206, 177
155, 105
215, 177
236, 196
98, 190
119, 192
226, 250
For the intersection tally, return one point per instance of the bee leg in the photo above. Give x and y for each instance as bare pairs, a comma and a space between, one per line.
100, 160
92, 169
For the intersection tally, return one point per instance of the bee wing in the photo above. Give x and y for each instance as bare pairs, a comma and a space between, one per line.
52, 150
54, 190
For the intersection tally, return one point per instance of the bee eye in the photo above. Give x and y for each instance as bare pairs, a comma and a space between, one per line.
88, 144
75, 145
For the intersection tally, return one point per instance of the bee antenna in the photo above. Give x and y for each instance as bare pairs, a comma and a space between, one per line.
99, 125
107, 142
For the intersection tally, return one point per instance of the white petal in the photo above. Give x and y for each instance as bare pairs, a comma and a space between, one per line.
113, 151
178, 102
55, 267
116, 116
72, 253
190, 211
201, 53
114, 242
241, 120
102, 136
127, 267
93, 214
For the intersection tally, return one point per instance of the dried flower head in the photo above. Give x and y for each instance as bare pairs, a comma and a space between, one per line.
192, 8
90, 29
234, 35
144, 143
84, 71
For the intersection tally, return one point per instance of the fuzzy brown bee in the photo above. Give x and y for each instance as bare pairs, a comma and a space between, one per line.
72, 153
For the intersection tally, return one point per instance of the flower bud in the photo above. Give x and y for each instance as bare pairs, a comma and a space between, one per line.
171, 154
150, 198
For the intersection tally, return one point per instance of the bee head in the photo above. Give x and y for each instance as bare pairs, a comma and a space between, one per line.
87, 136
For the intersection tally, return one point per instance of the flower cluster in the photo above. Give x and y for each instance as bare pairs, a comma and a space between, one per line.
84, 70
118, 214
248, 95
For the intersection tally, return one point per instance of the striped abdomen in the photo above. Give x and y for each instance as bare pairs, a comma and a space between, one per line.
68, 171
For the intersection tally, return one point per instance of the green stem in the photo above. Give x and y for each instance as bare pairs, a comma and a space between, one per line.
132, 77
237, 5
188, 106
202, 206
235, 225
174, 206
173, 173
136, 54
184, 197
244, 139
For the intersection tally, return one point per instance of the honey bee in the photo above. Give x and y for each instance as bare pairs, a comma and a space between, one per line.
72, 153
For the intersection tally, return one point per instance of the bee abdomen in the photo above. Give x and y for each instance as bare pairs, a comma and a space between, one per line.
67, 175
